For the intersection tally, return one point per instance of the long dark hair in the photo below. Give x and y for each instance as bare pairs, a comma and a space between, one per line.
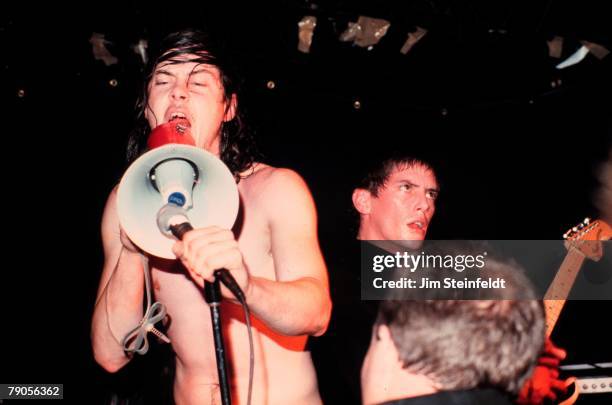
237, 146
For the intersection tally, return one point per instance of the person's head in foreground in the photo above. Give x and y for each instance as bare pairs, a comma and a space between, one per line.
483, 350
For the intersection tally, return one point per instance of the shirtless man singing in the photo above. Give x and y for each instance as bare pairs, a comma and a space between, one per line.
272, 252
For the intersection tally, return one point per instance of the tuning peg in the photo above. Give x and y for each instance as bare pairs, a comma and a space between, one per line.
587, 221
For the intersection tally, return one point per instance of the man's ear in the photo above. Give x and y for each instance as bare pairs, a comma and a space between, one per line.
362, 200
230, 109
383, 333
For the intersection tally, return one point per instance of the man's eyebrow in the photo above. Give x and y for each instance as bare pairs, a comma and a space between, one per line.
406, 181
198, 70
410, 183
163, 72
203, 72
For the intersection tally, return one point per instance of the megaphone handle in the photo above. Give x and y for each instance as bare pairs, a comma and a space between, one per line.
180, 230
212, 295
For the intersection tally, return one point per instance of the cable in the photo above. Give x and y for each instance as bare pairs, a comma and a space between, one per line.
247, 317
175, 220
137, 337
136, 340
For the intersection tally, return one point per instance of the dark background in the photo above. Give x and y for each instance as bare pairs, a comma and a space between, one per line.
517, 158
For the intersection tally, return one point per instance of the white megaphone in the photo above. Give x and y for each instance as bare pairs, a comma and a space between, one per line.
180, 174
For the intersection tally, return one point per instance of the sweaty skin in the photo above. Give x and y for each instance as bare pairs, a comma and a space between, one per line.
272, 251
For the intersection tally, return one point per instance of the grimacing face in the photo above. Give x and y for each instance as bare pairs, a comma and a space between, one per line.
193, 92
404, 206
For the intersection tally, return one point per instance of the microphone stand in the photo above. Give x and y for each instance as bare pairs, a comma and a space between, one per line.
212, 295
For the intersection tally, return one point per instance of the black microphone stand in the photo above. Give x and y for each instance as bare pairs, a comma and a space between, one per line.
212, 295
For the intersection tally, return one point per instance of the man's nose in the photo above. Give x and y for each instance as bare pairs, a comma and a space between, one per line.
423, 203
179, 91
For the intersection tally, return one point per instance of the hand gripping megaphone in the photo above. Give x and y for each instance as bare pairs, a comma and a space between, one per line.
174, 172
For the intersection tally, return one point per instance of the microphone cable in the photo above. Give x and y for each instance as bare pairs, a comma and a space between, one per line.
136, 340
178, 224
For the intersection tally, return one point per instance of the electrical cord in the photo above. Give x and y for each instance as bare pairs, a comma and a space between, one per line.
136, 340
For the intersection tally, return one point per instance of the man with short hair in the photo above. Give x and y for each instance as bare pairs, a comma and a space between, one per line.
395, 200
441, 351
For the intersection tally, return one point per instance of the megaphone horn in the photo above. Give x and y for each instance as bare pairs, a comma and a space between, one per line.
180, 174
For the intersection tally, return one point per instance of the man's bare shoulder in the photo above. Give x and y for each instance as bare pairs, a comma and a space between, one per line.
109, 217
112, 195
265, 182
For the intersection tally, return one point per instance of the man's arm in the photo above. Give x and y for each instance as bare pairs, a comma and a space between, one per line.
295, 303
298, 301
118, 306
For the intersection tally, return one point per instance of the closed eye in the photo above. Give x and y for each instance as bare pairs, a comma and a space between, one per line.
200, 77
161, 77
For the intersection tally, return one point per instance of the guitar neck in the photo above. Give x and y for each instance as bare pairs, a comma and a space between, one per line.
559, 289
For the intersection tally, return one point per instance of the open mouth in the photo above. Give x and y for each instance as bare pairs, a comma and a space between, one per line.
181, 121
417, 226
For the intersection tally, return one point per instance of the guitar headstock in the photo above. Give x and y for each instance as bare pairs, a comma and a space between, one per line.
587, 236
